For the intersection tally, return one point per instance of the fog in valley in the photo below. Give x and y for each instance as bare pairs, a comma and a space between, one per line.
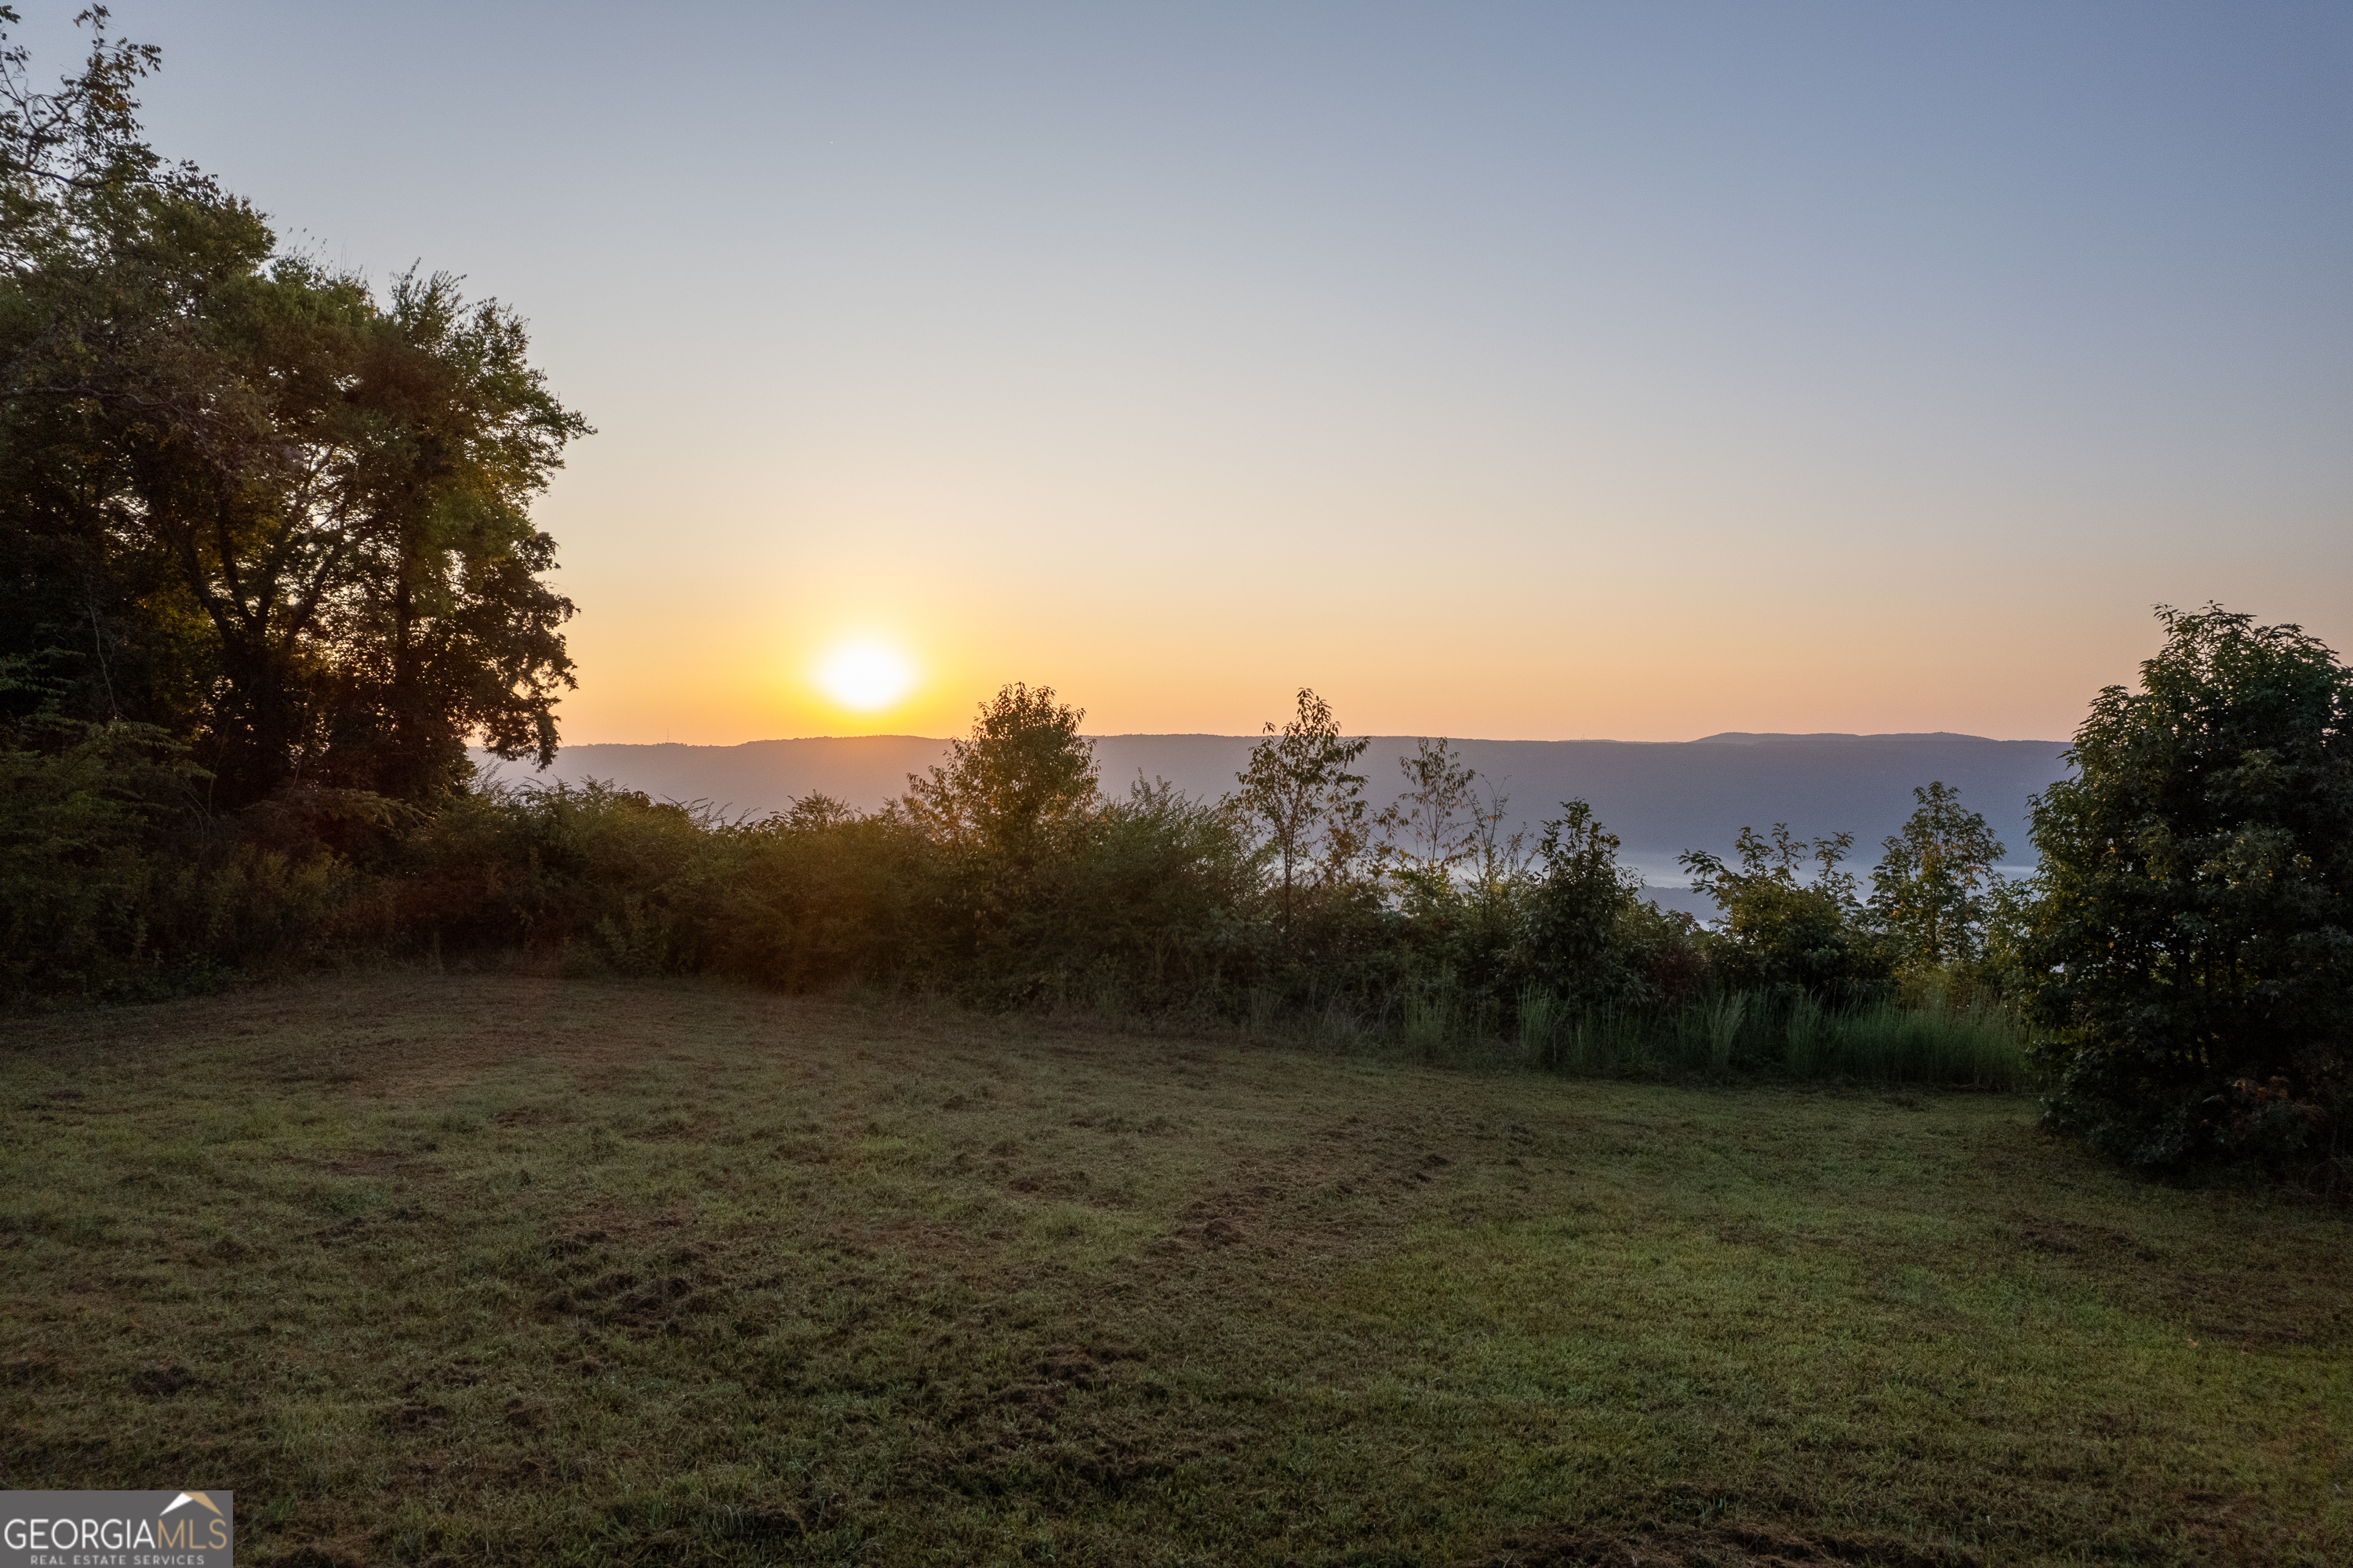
1659, 798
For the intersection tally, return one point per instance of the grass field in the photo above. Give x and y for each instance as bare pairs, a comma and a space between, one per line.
500, 1269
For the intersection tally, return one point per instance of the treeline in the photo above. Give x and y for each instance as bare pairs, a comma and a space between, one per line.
1007, 877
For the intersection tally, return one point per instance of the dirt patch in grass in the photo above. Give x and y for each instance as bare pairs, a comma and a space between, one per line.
1075, 1416
688, 1274
1723, 1546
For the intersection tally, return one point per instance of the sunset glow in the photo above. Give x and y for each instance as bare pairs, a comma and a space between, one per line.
1850, 369
866, 676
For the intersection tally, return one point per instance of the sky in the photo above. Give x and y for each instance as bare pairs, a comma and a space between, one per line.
1548, 371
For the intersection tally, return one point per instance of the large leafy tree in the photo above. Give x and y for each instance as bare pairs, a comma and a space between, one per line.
2192, 952
241, 496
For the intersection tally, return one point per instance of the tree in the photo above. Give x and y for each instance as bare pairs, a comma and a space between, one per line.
2191, 955
90, 622
1006, 813
1048, 888
1580, 913
443, 623
1023, 772
1311, 808
1459, 879
242, 498
1781, 930
1432, 830
1924, 891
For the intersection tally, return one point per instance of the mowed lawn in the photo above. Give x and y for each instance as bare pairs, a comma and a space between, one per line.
474, 1269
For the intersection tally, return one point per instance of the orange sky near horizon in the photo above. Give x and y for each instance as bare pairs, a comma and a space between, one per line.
1610, 605
1585, 596
751, 670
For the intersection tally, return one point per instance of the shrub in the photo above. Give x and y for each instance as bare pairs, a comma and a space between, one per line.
1780, 931
115, 882
79, 863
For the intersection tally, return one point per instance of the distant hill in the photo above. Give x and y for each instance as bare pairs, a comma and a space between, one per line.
1660, 796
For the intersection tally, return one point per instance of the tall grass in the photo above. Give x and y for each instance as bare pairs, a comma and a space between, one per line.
1980, 1045
1975, 1044
1720, 1020
1427, 1021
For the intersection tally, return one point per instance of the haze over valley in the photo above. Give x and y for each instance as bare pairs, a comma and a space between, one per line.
1660, 797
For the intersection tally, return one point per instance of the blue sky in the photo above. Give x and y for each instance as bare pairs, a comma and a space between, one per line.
1519, 371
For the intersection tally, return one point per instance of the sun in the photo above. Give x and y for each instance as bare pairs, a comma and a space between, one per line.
866, 675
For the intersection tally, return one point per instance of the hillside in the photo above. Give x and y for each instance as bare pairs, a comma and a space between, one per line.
693, 1274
